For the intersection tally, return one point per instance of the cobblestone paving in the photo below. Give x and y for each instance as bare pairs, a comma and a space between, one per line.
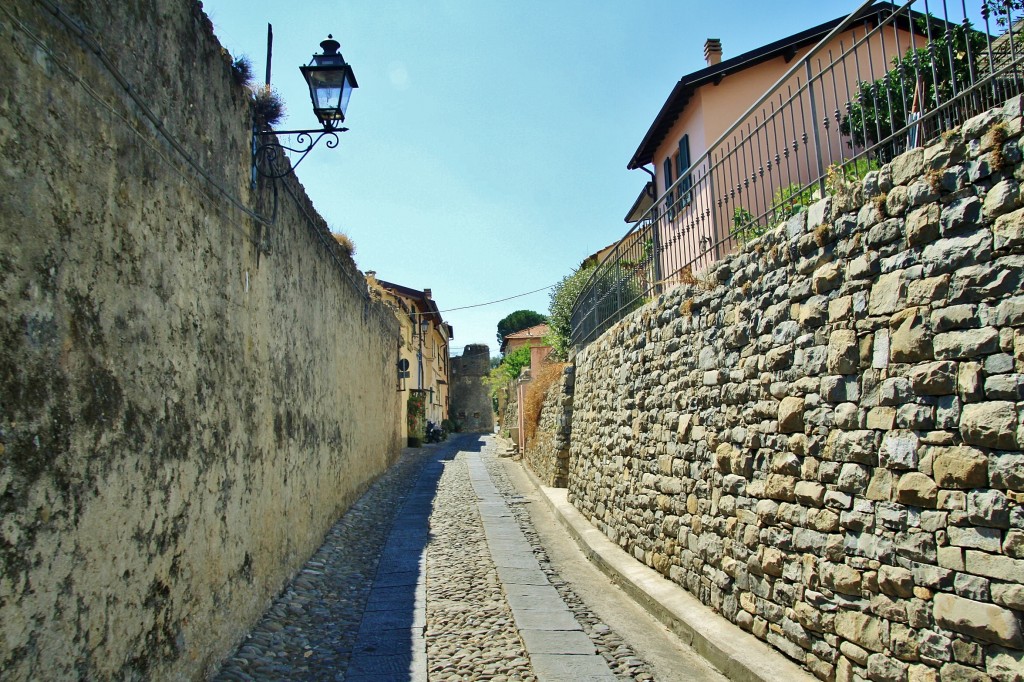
471, 634
310, 631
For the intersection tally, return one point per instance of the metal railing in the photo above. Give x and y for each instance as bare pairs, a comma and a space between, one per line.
885, 79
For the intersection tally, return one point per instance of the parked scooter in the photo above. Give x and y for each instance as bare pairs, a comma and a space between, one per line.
435, 434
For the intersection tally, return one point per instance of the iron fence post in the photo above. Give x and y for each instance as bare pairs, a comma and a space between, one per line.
656, 256
814, 126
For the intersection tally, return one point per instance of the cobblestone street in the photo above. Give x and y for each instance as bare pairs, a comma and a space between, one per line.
436, 573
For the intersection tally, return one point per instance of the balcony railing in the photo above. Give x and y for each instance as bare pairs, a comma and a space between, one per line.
886, 79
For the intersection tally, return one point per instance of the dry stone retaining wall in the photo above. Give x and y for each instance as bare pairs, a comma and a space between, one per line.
824, 441
188, 398
547, 454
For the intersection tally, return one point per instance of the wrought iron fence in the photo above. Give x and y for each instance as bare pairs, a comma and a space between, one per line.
885, 79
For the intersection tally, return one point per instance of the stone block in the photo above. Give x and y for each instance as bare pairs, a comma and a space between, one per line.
823, 520
881, 418
962, 316
1010, 312
1008, 594
986, 622
1002, 198
864, 630
952, 500
888, 294
988, 508
843, 352
1008, 231
1004, 665
1005, 387
791, 415
960, 467
934, 378
882, 668
990, 424
1000, 363
826, 278
910, 337
925, 292
951, 558
895, 391
896, 581
952, 253
923, 225
723, 457
810, 493
880, 349
1006, 470
899, 450
780, 487
966, 343
907, 166
796, 225
970, 382
836, 499
914, 416
839, 389
917, 489
916, 546
847, 416
852, 446
985, 539
957, 672
947, 412
842, 578
881, 485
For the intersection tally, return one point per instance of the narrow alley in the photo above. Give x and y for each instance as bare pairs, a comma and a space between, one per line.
451, 568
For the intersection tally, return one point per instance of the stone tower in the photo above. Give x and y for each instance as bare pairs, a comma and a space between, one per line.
470, 400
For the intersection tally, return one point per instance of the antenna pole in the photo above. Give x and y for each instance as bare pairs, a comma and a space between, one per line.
270, 50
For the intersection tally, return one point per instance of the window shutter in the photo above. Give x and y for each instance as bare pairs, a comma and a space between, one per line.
669, 196
684, 164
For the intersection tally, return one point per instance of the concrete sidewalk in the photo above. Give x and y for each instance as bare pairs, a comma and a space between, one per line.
737, 654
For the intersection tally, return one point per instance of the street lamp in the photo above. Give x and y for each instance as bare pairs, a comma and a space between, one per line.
331, 81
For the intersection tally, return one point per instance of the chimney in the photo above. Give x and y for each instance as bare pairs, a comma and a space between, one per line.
713, 51
426, 293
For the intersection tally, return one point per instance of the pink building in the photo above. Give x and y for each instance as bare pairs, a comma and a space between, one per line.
771, 148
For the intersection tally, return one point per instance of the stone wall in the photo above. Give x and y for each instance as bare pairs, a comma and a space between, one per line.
470, 399
547, 454
190, 395
823, 440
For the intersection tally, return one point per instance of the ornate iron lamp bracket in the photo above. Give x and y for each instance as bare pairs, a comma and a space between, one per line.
266, 147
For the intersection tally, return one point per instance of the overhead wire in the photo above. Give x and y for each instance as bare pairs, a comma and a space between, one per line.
480, 305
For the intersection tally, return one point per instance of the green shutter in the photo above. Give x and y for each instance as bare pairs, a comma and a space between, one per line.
684, 163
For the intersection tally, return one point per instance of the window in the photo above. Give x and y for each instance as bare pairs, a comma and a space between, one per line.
682, 165
670, 208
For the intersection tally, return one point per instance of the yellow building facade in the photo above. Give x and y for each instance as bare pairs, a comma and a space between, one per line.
423, 353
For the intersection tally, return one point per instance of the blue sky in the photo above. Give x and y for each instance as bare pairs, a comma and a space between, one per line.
489, 140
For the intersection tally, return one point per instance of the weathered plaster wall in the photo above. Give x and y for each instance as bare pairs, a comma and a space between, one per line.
547, 454
182, 415
825, 442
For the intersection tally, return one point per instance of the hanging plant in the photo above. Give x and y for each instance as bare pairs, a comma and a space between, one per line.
416, 419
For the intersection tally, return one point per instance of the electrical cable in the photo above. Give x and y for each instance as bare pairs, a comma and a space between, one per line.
480, 305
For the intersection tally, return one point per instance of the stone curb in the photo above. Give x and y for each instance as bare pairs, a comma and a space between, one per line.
737, 654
